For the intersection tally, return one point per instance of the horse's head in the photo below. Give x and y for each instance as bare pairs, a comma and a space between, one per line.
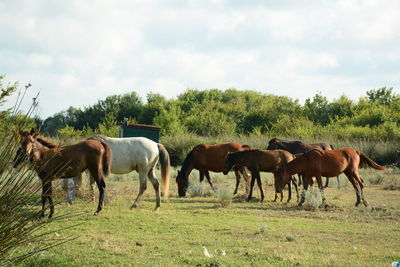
27, 142
281, 179
228, 163
274, 144
183, 183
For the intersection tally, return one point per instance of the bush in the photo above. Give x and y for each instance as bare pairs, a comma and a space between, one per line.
313, 198
224, 196
199, 190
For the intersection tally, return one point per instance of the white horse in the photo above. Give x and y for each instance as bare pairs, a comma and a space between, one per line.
140, 154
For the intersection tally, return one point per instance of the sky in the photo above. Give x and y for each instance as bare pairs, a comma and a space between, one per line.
77, 52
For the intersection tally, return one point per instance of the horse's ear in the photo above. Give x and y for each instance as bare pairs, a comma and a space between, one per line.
32, 131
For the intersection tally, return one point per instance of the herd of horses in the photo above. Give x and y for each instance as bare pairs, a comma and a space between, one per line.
100, 155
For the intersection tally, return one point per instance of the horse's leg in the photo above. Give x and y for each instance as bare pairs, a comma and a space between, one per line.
290, 191
338, 182
49, 193
296, 187
321, 187
209, 179
143, 187
91, 187
100, 186
156, 185
300, 179
326, 182
361, 185
44, 197
305, 188
247, 178
260, 186
237, 174
78, 185
201, 173
352, 180
253, 179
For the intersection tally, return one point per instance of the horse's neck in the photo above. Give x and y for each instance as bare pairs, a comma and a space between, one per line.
42, 153
187, 166
296, 166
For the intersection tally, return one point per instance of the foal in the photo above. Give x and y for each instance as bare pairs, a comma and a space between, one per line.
257, 160
329, 163
51, 161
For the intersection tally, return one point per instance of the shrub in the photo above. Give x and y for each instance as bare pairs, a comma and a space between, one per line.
313, 198
224, 196
199, 190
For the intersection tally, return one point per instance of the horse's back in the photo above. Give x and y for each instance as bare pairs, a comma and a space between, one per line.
131, 153
212, 157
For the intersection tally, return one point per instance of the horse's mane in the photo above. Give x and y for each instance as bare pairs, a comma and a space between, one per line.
187, 161
46, 142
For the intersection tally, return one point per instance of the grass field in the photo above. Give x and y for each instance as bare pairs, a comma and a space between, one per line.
241, 234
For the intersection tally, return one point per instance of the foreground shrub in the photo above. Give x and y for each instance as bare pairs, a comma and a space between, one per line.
19, 197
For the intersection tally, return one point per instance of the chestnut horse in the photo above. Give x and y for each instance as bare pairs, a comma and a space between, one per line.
207, 158
52, 161
298, 147
257, 160
328, 163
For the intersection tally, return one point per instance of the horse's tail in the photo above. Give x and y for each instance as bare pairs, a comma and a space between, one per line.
165, 169
107, 156
366, 162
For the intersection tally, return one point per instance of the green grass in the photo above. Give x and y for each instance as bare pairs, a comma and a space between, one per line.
251, 233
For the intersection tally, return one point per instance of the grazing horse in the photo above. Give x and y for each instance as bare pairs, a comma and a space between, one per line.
140, 154
257, 160
298, 147
328, 163
52, 161
207, 158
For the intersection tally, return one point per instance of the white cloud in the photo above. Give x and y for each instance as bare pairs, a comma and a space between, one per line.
78, 52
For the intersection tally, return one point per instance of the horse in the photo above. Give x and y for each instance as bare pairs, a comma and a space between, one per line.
140, 154
328, 163
207, 158
298, 147
257, 160
51, 161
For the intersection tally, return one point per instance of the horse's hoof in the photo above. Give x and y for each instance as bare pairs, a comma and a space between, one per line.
134, 206
358, 204
365, 203
50, 216
156, 210
96, 213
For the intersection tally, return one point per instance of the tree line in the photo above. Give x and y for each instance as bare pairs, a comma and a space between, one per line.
226, 112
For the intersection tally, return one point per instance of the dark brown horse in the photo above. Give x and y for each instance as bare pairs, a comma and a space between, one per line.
257, 160
317, 163
298, 147
207, 158
51, 161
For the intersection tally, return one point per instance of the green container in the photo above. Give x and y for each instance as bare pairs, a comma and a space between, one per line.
140, 130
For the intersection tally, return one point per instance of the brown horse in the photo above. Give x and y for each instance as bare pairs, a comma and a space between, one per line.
298, 147
51, 161
329, 163
257, 160
207, 158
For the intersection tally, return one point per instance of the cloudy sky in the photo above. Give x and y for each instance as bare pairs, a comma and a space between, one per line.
77, 52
